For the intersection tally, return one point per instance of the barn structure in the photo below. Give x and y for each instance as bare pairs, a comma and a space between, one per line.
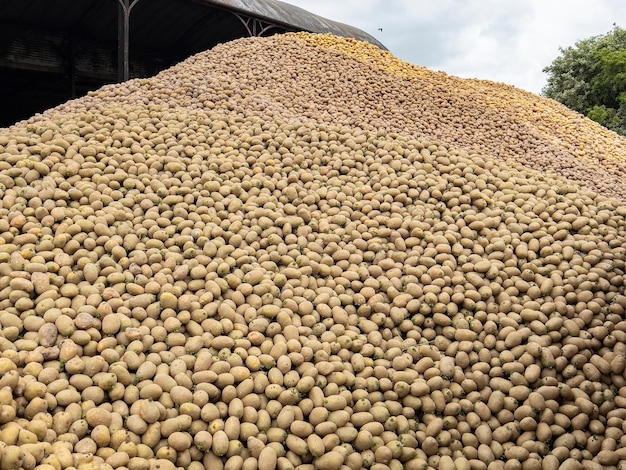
55, 50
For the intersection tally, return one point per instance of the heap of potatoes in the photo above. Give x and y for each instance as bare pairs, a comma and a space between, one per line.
323, 80
300, 253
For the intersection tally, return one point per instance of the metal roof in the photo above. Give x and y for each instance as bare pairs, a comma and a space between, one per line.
96, 17
291, 15
54, 50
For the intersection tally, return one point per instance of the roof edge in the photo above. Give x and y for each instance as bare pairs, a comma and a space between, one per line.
287, 15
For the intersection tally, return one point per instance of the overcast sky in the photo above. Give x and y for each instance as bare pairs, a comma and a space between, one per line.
508, 41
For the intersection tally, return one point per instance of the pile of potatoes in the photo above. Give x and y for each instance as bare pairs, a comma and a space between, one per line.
325, 80
263, 259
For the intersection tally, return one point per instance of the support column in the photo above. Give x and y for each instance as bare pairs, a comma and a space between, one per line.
123, 38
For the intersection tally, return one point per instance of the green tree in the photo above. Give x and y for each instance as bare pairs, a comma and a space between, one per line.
590, 78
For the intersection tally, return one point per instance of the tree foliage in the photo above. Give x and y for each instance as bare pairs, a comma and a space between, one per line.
590, 78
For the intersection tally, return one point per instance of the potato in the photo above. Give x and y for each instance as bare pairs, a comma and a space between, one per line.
331, 460
267, 459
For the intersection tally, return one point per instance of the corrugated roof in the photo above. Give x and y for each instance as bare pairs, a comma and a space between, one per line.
291, 15
98, 18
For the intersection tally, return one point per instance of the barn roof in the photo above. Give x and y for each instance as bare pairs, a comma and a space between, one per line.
294, 17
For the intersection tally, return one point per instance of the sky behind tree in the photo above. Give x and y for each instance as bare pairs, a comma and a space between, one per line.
508, 41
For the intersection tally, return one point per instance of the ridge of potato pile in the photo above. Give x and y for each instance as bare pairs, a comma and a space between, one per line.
198, 271
333, 81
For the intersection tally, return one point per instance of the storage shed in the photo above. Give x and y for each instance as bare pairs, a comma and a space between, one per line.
55, 50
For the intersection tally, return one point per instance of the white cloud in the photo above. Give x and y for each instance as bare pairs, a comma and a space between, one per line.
507, 41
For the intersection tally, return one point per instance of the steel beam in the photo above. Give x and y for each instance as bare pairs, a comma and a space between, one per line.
123, 38
254, 26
